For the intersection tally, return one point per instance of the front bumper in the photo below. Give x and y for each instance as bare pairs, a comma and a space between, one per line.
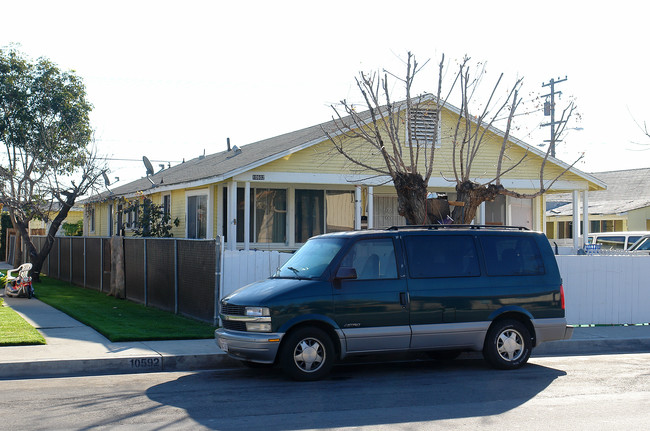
249, 346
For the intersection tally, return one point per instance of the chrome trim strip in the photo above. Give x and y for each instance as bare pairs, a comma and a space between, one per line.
263, 319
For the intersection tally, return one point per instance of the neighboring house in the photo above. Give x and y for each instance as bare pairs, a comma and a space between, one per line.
278, 192
623, 206
40, 227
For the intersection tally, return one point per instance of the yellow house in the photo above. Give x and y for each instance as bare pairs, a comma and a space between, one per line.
624, 206
278, 192
40, 227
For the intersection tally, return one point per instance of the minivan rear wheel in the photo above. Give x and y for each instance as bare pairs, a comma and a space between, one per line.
307, 354
507, 345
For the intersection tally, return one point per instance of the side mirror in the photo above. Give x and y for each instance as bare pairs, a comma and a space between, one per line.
346, 273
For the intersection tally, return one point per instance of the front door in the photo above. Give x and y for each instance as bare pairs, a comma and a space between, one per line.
372, 310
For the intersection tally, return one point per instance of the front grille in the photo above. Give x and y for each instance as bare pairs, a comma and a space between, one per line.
232, 310
234, 325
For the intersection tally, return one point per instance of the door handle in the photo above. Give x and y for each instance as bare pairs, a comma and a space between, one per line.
403, 299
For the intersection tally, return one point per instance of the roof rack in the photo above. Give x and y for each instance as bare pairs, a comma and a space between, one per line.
457, 226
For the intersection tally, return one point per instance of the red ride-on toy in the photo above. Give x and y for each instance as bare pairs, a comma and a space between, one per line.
19, 286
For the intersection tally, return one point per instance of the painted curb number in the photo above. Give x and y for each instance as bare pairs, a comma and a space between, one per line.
145, 363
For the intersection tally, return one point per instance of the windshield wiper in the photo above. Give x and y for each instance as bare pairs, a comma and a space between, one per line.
295, 271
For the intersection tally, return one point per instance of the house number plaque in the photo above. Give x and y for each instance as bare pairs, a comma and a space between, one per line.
258, 177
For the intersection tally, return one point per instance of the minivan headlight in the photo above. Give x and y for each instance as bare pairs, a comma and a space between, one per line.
257, 311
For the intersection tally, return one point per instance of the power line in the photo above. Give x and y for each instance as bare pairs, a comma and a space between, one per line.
140, 160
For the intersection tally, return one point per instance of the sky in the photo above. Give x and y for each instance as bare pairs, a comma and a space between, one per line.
174, 80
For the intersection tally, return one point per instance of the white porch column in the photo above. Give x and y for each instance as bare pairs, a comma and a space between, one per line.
220, 214
247, 215
540, 205
576, 219
585, 217
357, 207
232, 215
481, 213
291, 216
209, 229
371, 208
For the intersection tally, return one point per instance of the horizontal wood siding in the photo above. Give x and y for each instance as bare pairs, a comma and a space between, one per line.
323, 158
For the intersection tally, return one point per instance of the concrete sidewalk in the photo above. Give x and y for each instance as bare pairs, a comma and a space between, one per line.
75, 349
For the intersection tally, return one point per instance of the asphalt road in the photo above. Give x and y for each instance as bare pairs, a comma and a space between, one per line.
562, 393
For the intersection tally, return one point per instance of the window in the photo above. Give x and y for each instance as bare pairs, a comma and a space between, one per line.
611, 242
120, 225
91, 218
268, 215
511, 255
311, 260
339, 206
564, 229
167, 205
132, 216
424, 127
596, 226
197, 216
310, 207
319, 211
110, 220
373, 259
495, 211
432, 256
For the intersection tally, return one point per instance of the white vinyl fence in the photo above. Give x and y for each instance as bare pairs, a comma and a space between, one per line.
606, 289
245, 267
598, 289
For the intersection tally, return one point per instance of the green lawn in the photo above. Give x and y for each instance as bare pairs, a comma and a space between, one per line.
14, 331
117, 319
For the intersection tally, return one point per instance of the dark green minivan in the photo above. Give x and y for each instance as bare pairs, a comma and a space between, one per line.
442, 289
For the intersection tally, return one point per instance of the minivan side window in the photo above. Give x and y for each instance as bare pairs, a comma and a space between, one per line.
511, 255
373, 259
432, 256
613, 242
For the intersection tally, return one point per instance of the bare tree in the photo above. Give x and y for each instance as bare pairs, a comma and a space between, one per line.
409, 155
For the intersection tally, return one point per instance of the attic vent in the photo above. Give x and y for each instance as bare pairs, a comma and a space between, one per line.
424, 127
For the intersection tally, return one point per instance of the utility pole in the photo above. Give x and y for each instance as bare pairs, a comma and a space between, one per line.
549, 109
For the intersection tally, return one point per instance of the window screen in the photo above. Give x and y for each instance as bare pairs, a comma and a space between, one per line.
511, 255
441, 256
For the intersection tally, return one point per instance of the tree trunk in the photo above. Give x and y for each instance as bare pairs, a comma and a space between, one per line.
473, 195
37, 258
411, 197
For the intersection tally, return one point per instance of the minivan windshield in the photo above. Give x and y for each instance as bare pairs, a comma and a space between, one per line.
311, 260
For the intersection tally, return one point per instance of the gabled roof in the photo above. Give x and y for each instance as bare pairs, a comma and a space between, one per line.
225, 164
627, 190
221, 166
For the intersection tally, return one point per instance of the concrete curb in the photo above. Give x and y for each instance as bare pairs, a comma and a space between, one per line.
121, 365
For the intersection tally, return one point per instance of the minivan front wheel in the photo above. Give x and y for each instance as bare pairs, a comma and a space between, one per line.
507, 345
307, 354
